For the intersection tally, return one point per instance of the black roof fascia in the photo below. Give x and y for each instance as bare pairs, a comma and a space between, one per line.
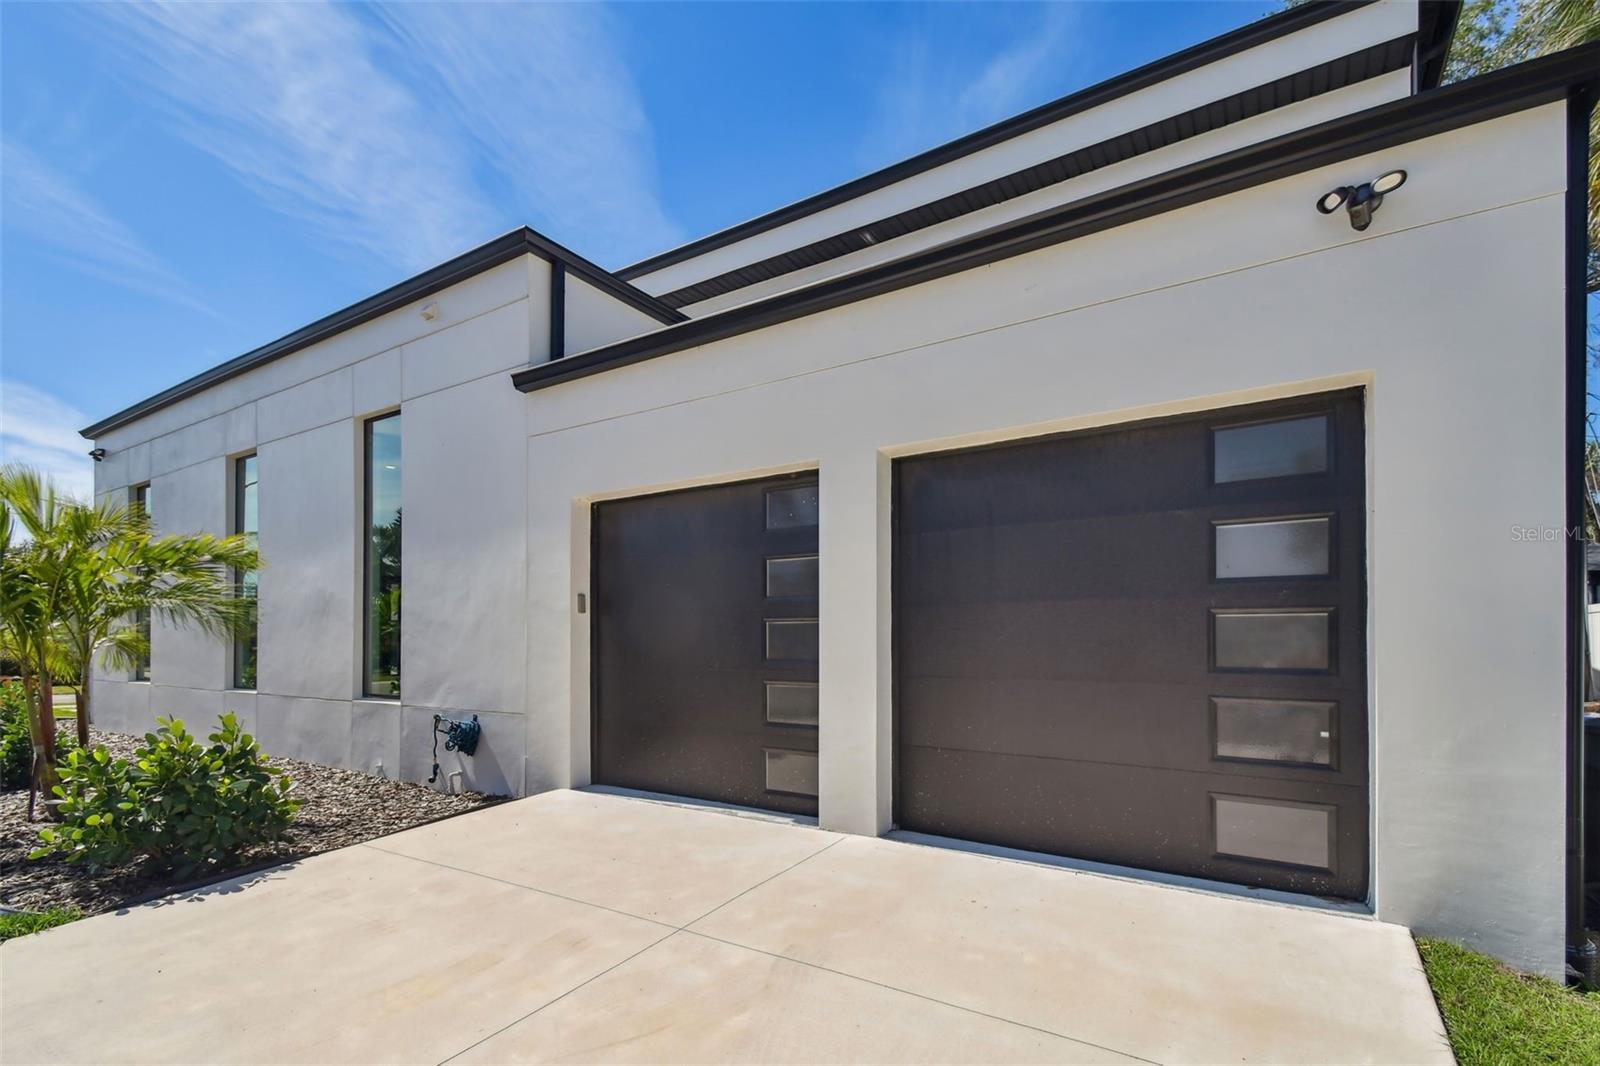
1436, 28
1502, 92
518, 242
1337, 73
1217, 48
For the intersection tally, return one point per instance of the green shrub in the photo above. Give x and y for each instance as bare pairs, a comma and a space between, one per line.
181, 804
16, 745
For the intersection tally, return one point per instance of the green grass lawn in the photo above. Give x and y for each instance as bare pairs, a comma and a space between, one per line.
1498, 1017
13, 925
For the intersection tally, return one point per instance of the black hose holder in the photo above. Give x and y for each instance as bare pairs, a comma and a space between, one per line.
459, 735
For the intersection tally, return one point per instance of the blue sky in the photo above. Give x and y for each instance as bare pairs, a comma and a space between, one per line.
181, 184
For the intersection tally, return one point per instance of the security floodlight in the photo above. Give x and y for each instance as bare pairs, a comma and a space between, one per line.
97, 454
1361, 200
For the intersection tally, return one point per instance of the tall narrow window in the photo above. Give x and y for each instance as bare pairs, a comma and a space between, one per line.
244, 522
383, 557
139, 502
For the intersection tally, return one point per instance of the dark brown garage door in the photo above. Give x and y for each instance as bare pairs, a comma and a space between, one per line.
705, 643
1143, 646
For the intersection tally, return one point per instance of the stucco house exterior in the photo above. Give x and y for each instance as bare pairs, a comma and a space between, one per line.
1095, 485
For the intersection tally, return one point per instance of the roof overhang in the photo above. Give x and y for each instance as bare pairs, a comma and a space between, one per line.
1502, 92
518, 242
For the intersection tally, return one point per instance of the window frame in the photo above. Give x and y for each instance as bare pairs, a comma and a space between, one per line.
139, 499
367, 643
236, 526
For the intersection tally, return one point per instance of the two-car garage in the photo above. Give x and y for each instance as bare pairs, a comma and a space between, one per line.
1141, 645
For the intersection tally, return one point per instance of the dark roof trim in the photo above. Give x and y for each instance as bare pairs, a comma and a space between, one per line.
1257, 33
1436, 28
1500, 93
517, 243
1369, 62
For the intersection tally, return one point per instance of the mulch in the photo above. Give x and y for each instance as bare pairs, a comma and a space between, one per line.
337, 808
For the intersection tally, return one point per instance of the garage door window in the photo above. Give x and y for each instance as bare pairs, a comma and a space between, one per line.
1291, 547
794, 772
792, 576
1284, 448
1272, 640
792, 508
792, 638
792, 703
1280, 731
1298, 834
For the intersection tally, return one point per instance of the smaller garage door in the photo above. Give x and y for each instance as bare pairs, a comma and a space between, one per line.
1144, 645
705, 643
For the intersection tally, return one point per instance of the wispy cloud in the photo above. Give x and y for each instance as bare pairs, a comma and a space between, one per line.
288, 97
924, 101
39, 430
45, 203
409, 133
545, 93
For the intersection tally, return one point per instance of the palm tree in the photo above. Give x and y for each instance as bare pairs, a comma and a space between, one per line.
83, 572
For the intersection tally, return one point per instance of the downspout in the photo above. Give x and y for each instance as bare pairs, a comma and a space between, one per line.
1579, 104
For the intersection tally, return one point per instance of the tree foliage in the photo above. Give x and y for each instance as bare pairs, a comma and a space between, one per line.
72, 577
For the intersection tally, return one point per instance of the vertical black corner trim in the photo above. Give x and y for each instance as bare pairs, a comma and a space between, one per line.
558, 310
1580, 102
1436, 29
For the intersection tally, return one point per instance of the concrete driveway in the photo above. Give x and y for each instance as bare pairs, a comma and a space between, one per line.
586, 927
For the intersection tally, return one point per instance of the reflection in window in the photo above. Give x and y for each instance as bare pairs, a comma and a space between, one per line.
792, 638
793, 576
1294, 547
1289, 731
245, 522
1270, 449
1278, 831
1273, 640
383, 557
792, 508
139, 503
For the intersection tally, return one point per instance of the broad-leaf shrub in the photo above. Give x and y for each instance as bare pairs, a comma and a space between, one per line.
16, 743
179, 803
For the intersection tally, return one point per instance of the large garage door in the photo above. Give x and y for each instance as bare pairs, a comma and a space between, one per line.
1143, 646
705, 643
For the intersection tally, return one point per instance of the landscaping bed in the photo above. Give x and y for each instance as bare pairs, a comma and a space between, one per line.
337, 808
1499, 1017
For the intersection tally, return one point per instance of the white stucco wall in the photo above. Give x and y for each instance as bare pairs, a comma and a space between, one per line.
1339, 36
463, 429
1448, 310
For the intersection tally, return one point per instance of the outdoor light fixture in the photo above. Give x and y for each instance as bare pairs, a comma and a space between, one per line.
98, 454
1361, 200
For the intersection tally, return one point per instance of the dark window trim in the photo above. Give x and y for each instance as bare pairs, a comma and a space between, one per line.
236, 526
1262, 31
1503, 92
519, 242
140, 493
366, 557
1338, 73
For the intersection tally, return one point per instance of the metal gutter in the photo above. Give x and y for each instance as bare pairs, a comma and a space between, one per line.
1503, 92
518, 242
1217, 48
